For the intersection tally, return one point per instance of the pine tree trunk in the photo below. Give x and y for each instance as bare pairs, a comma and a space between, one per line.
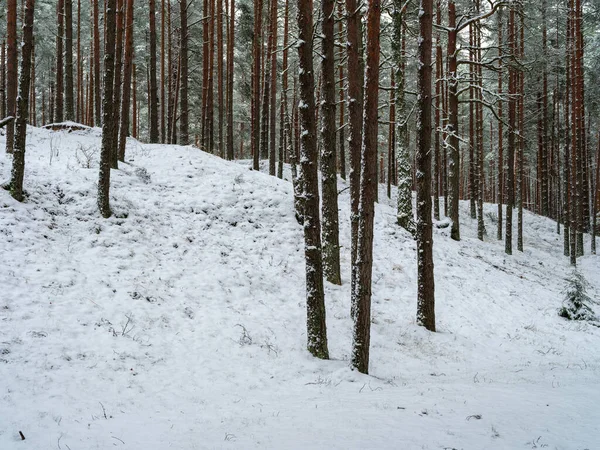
342, 137
256, 65
97, 93
11, 70
331, 245
153, 94
184, 137
3, 79
127, 70
355, 71
80, 113
363, 265
424, 236
117, 98
69, 94
453, 141
315, 297
107, 108
230, 71
512, 124
163, 74
18, 168
438, 112
500, 182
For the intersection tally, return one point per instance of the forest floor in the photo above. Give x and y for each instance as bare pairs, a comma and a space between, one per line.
180, 321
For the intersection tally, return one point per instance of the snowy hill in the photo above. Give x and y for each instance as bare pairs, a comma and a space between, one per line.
180, 321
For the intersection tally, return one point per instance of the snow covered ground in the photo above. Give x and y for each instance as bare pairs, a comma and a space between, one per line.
179, 322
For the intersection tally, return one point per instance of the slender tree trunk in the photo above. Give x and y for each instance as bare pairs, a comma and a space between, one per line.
500, 182
425, 280
355, 118
18, 168
342, 137
59, 91
512, 124
69, 94
153, 100
256, 59
32, 112
521, 130
453, 140
80, 103
363, 266
107, 108
184, 138
3, 79
404, 208
116, 119
273, 88
438, 111
98, 94
127, 70
11, 70
163, 74
230, 68
391, 136
315, 297
331, 245
134, 113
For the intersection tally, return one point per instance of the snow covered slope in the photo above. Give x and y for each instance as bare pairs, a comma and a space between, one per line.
179, 322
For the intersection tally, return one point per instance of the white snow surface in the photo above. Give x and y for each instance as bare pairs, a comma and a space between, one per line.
180, 321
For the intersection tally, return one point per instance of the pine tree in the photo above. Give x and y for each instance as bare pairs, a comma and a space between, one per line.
18, 169
107, 110
329, 207
315, 297
424, 237
363, 265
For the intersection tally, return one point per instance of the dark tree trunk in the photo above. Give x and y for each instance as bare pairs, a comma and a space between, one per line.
425, 280
230, 68
273, 89
59, 90
153, 100
117, 98
163, 74
315, 297
184, 138
512, 124
107, 108
361, 290
453, 140
98, 94
127, 70
331, 241
342, 137
500, 183
18, 168
11, 70
69, 94
355, 116
257, 51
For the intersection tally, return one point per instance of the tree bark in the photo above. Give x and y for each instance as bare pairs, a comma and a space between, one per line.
18, 168
127, 71
153, 100
453, 141
59, 90
107, 108
424, 236
98, 94
355, 117
363, 266
69, 94
315, 297
331, 243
